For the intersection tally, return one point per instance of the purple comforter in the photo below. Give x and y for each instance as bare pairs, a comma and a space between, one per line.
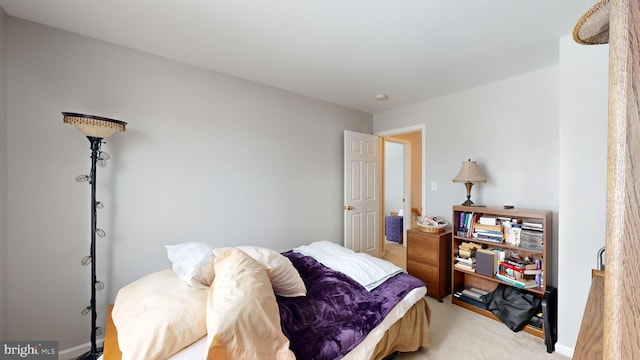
337, 313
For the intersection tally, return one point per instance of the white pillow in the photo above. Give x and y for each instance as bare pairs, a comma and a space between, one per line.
158, 315
285, 279
193, 262
243, 320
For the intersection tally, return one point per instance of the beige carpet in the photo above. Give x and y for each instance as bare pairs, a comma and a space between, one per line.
460, 334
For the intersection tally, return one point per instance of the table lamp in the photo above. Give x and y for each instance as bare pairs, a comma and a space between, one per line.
469, 174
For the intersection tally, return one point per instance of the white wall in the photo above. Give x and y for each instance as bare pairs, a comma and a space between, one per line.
206, 157
584, 74
3, 181
540, 138
509, 127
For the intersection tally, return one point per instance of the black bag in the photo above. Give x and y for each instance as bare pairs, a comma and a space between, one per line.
512, 305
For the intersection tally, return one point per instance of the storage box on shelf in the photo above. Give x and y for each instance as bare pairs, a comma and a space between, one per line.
497, 233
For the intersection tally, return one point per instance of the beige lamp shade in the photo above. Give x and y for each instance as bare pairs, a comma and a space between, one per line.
469, 173
94, 126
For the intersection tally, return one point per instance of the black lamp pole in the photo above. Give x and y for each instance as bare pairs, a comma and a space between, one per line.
94, 353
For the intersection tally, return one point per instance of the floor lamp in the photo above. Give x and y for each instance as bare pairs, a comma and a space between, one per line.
96, 128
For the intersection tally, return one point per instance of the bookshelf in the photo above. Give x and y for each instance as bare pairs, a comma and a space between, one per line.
534, 247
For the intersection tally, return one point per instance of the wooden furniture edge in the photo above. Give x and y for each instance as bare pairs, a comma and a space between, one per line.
589, 343
111, 350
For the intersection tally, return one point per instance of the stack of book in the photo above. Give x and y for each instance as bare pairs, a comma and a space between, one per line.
468, 264
466, 258
521, 273
531, 236
492, 233
471, 296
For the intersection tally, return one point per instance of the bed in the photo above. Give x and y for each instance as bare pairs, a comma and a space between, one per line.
254, 303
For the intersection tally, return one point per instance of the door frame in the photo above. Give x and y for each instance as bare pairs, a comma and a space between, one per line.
399, 131
406, 181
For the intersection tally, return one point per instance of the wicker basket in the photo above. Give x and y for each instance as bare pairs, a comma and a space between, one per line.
435, 229
435, 224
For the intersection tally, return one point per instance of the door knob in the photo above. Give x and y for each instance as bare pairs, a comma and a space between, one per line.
348, 207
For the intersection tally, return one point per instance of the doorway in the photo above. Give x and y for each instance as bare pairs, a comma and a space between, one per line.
396, 199
415, 198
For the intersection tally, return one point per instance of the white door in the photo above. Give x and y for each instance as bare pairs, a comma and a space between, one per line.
362, 192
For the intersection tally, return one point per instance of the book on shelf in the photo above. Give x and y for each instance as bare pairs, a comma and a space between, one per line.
515, 274
471, 301
471, 293
467, 253
488, 237
540, 280
463, 266
532, 247
485, 262
468, 249
501, 253
525, 284
466, 223
532, 225
468, 245
521, 263
479, 291
461, 222
521, 270
488, 220
488, 232
466, 260
491, 228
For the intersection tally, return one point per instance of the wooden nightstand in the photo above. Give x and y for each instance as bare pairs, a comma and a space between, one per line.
429, 259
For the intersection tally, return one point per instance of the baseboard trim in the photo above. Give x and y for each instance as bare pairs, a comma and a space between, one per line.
74, 352
564, 350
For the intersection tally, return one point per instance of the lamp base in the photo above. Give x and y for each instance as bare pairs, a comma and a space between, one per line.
468, 203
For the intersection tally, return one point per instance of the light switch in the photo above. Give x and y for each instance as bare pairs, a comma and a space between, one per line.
434, 186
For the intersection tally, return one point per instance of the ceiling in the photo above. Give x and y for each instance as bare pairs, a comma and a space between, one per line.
342, 51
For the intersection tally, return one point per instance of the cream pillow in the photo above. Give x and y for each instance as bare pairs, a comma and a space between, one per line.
158, 315
193, 262
243, 320
285, 279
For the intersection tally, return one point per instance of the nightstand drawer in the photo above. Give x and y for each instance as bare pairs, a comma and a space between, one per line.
423, 249
429, 259
425, 272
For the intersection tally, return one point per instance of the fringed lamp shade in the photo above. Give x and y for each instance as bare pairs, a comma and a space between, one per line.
94, 126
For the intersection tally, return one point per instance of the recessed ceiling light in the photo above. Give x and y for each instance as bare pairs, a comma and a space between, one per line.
382, 97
